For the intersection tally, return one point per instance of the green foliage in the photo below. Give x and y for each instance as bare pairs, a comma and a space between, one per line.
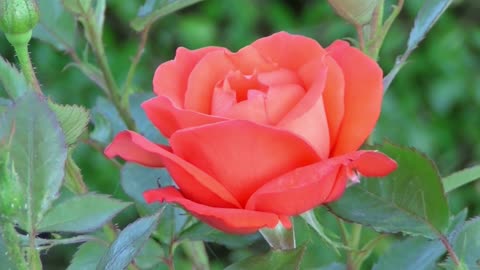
467, 245
12, 80
56, 26
129, 242
153, 10
73, 120
6, 260
200, 231
410, 200
81, 214
417, 253
461, 178
39, 152
274, 260
87, 256
426, 18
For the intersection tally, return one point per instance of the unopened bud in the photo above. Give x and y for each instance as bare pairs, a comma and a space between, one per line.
356, 12
18, 16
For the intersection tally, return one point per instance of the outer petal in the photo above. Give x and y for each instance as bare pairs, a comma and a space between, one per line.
236, 221
242, 155
168, 118
307, 187
194, 183
171, 77
209, 71
333, 95
308, 120
289, 51
363, 96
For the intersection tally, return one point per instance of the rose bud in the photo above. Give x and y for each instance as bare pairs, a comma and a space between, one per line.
356, 12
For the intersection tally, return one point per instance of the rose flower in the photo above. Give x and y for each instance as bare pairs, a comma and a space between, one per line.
263, 134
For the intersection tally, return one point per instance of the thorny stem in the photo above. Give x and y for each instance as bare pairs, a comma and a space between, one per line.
113, 90
27, 67
133, 67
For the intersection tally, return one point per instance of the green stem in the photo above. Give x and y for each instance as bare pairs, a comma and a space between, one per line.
113, 90
133, 67
195, 251
345, 235
33, 254
12, 243
20, 44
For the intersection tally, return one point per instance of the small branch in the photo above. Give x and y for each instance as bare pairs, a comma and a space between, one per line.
344, 234
361, 38
135, 61
99, 52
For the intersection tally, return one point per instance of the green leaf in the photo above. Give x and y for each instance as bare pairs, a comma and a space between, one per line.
410, 200
73, 120
38, 151
426, 18
56, 26
87, 256
129, 242
467, 245
461, 178
417, 253
81, 214
6, 261
200, 231
150, 255
73, 176
107, 121
273, 260
136, 179
153, 10
334, 266
12, 80
143, 124
310, 218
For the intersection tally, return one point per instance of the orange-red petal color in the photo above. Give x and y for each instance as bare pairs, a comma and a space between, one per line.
287, 50
307, 187
168, 118
230, 220
171, 77
242, 155
363, 96
193, 182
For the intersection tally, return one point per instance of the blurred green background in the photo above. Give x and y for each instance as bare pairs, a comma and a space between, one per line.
433, 104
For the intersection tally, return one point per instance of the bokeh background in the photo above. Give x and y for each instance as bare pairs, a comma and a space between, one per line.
433, 104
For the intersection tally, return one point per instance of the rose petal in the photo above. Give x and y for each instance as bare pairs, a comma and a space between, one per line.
209, 71
242, 155
289, 51
254, 108
249, 61
307, 187
171, 77
308, 119
230, 220
168, 118
333, 95
281, 99
279, 77
194, 183
363, 96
